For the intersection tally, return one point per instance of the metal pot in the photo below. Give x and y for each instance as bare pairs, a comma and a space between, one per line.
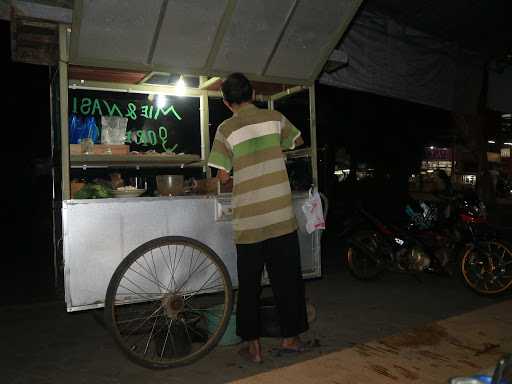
170, 185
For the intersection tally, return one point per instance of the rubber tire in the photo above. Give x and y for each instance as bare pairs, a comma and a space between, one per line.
119, 273
465, 253
350, 257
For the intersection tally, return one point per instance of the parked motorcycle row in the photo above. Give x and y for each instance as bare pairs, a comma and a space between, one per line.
449, 234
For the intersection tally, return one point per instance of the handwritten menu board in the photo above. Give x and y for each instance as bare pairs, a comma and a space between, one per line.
171, 126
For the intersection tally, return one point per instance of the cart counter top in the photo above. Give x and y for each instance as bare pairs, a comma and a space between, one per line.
224, 196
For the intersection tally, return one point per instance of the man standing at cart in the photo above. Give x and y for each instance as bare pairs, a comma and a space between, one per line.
250, 143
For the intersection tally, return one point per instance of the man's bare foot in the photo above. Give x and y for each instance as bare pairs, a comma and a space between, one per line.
252, 351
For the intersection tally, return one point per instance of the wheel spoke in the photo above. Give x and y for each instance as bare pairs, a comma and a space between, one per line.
196, 270
150, 272
176, 264
168, 266
206, 282
173, 262
157, 283
142, 295
154, 314
156, 272
159, 330
140, 315
185, 326
194, 260
173, 267
190, 294
194, 330
150, 337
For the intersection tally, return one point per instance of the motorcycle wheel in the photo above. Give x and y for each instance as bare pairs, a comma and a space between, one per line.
486, 267
362, 255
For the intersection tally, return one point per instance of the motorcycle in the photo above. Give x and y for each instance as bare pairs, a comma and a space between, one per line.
449, 236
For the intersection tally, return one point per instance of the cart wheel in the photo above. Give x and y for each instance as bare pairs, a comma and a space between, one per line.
169, 302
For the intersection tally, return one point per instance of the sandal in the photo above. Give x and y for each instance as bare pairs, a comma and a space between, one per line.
292, 350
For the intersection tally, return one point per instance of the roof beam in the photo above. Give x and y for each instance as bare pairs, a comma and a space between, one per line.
156, 34
138, 88
209, 82
340, 31
219, 35
280, 36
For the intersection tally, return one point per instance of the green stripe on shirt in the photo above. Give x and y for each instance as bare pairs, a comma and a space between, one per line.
256, 144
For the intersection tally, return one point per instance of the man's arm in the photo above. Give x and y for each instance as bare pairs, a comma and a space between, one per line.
223, 176
290, 135
221, 156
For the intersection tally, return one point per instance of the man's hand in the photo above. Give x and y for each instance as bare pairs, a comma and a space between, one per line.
223, 176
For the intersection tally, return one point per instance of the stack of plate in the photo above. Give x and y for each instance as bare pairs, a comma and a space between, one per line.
128, 192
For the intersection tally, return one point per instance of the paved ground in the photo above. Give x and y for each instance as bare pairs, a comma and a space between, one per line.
43, 344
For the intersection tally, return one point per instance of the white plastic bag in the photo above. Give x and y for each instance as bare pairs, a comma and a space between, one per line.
312, 209
113, 129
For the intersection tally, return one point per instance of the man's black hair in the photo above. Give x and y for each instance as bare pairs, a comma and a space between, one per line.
237, 89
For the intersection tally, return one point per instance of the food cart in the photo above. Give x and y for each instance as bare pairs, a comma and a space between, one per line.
164, 266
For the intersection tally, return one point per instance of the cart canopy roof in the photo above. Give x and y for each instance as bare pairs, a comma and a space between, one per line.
285, 41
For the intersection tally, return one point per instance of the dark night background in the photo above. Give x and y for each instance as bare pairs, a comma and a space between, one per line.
28, 269
386, 134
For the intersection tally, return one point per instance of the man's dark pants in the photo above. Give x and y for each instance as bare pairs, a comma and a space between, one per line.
281, 257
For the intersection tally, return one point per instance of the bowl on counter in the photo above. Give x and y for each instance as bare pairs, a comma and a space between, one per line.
170, 185
128, 192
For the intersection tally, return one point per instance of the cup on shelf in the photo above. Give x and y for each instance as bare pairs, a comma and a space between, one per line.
87, 146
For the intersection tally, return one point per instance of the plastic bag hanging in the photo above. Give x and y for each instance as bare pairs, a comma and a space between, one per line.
76, 129
91, 130
313, 211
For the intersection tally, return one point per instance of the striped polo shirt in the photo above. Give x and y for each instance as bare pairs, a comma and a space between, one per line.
251, 143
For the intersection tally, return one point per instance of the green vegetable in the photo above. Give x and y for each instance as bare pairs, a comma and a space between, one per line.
93, 191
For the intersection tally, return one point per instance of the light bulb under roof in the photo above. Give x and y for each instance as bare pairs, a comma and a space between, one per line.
161, 101
180, 86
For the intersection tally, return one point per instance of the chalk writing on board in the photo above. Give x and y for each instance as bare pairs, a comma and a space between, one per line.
88, 106
148, 137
